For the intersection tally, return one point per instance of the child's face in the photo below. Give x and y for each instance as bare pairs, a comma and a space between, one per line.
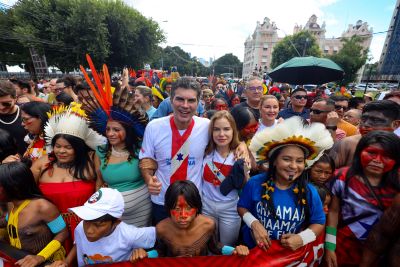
327, 202
183, 214
321, 172
96, 230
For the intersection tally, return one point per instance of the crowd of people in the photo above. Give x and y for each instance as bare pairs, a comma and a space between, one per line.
100, 171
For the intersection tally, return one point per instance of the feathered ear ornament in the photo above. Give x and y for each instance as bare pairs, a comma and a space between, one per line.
102, 105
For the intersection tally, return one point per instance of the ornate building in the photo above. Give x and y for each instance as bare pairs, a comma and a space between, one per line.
258, 47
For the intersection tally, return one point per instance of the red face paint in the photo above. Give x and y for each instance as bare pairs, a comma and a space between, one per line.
376, 157
221, 107
235, 101
250, 129
365, 130
182, 210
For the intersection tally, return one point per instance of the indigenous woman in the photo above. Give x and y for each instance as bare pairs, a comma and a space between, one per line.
269, 109
123, 125
34, 118
361, 193
246, 123
219, 103
33, 223
281, 204
219, 166
67, 176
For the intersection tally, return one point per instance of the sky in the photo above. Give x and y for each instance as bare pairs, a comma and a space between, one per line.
213, 28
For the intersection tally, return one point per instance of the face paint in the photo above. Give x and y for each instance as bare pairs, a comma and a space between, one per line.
182, 210
365, 130
374, 154
250, 129
221, 107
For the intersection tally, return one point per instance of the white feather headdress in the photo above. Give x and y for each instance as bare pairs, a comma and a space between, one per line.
72, 121
314, 139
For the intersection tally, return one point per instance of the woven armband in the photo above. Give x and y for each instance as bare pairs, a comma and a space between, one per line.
248, 219
307, 236
49, 250
57, 225
148, 163
227, 250
330, 238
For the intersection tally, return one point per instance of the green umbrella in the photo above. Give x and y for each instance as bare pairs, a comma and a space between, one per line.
307, 70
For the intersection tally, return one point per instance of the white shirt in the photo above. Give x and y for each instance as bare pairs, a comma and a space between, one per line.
157, 145
212, 191
261, 126
116, 247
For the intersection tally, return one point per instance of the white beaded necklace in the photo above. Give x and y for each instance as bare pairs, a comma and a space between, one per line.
119, 154
11, 122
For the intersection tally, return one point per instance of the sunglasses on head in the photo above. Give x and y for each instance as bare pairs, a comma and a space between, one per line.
338, 107
317, 111
298, 97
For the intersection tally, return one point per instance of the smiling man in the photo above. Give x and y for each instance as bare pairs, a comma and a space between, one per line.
298, 100
10, 115
173, 146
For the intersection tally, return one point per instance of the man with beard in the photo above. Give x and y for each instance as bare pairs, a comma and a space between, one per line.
10, 115
381, 115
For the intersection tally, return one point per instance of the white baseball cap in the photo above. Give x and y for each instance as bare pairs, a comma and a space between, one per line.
105, 201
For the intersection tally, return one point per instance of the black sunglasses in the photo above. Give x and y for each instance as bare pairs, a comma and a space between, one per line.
317, 111
6, 104
298, 97
337, 107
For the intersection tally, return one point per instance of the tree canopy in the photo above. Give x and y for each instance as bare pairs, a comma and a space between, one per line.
351, 57
228, 63
304, 42
64, 31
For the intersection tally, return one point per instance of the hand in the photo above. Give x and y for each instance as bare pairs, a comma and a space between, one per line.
260, 235
330, 258
241, 251
291, 241
332, 119
11, 158
30, 261
154, 186
138, 254
58, 264
242, 152
281, 120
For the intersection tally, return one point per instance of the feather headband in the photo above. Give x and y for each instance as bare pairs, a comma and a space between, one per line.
313, 139
102, 105
72, 121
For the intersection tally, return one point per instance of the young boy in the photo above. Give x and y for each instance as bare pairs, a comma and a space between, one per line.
186, 233
101, 237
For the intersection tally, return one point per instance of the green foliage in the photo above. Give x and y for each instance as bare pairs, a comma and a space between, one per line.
228, 63
175, 56
304, 42
65, 30
351, 58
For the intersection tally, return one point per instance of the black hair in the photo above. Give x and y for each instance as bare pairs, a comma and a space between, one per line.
7, 88
388, 108
210, 113
339, 98
24, 85
69, 81
299, 89
8, 145
323, 191
105, 218
300, 183
64, 98
82, 160
242, 116
18, 182
131, 144
186, 83
390, 143
186, 188
354, 102
325, 158
218, 97
37, 110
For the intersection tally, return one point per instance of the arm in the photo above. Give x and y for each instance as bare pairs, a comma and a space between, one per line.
68, 261
148, 167
97, 165
36, 167
260, 234
331, 225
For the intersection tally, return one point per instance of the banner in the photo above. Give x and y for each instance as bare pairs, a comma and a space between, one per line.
276, 256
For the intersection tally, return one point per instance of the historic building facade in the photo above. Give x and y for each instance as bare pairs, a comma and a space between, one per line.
259, 46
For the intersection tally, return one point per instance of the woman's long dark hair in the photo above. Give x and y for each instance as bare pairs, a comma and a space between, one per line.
82, 160
131, 144
17, 181
390, 143
8, 145
37, 110
300, 182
